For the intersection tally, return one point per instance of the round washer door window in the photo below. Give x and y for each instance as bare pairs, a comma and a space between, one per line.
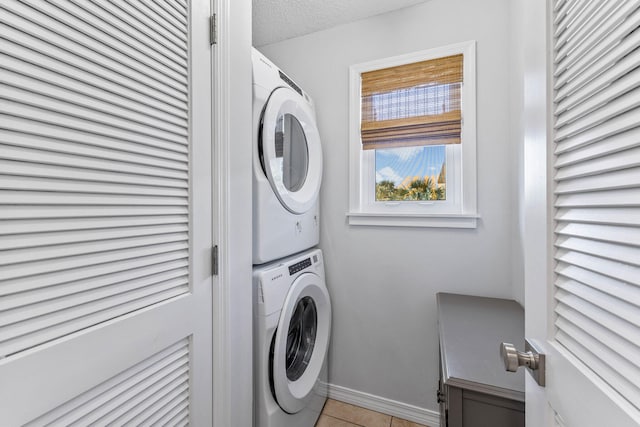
290, 150
301, 337
301, 342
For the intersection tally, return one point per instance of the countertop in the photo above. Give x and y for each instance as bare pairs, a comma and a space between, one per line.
471, 330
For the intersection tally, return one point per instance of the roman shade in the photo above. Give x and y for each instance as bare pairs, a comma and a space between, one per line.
412, 104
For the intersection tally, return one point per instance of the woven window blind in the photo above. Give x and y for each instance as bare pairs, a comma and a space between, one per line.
413, 104
597, 188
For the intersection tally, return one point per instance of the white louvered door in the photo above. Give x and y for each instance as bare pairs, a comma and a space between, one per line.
591, 304
105, 213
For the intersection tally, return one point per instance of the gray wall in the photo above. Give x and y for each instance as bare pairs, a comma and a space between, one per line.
383, 281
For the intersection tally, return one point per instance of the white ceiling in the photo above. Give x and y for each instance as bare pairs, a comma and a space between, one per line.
276, 20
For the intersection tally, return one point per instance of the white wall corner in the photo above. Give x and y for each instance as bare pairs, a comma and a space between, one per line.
384, 405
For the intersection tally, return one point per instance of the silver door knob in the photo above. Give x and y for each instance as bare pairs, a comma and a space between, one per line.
532, 358
513, 358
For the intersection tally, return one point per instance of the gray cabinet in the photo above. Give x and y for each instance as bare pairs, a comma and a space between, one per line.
475, 390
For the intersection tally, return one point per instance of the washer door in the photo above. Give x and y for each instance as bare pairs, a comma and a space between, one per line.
301, 342
290, 150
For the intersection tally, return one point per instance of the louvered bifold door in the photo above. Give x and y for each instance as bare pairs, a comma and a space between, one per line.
597, 188
97, 221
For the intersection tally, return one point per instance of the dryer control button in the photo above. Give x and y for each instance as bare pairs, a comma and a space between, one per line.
299, 266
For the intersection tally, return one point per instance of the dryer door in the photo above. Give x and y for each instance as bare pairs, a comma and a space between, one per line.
301, 342
290, 150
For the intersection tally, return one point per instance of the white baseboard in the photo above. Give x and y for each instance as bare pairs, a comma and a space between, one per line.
386, 406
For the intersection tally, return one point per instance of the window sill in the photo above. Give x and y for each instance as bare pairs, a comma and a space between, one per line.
413, 220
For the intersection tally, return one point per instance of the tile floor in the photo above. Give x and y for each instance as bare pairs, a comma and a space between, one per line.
340, 414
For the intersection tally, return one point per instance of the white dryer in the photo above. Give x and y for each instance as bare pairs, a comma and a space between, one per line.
287, 165
292, 323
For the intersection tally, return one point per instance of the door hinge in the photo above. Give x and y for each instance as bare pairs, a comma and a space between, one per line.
214, 260
213, 30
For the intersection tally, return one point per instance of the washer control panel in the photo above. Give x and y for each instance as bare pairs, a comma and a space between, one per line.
299, 266
290, 82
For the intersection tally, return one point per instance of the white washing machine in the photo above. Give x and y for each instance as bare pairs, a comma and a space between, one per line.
292, 323
287, 165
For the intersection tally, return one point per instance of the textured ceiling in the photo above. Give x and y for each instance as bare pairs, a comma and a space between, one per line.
276, 20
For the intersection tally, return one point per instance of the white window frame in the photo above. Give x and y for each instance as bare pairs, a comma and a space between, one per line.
460, 209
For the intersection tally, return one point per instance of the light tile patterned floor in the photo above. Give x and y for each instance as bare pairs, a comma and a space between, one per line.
340, 414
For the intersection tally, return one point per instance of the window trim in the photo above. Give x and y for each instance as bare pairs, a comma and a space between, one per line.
415, 214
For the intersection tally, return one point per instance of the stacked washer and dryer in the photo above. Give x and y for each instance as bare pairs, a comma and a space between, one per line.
292, 309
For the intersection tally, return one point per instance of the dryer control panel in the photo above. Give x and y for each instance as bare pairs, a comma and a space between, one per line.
290, 82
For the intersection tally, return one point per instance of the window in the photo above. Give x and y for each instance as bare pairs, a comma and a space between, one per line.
412, 139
